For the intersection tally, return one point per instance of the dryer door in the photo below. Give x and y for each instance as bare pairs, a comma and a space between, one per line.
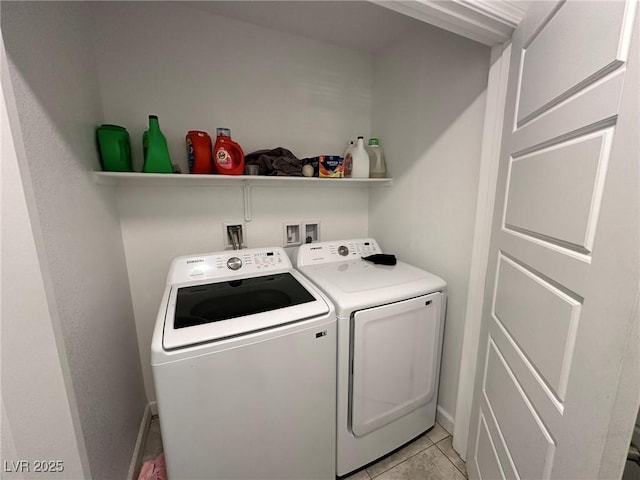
395, 360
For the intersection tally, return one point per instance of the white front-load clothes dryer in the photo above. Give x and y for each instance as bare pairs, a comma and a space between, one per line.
390, 328
243, 357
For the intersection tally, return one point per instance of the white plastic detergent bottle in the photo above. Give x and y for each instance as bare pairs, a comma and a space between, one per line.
377, 167
360, 160
347, 164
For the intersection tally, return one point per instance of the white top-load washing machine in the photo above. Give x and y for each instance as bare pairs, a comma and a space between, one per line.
390, 328
243, 358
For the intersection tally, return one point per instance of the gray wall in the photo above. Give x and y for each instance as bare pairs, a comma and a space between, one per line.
37, 412
429, 99
326, 94
53, 75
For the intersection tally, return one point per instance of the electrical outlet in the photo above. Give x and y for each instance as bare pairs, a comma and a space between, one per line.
291, 234
234, 231
311, 231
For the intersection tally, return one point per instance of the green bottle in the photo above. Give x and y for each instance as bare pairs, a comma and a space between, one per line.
156, 152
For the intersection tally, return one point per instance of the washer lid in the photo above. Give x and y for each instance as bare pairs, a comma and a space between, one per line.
200, 312
355, 276
356, 284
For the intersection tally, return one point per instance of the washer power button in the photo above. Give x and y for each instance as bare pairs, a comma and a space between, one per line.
234, 263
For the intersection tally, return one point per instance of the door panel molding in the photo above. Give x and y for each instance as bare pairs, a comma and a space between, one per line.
574, 66
546, 345
561, 265
493, 431
591, 109
513, 412
549, 407
537, 183
486, 450
538, 16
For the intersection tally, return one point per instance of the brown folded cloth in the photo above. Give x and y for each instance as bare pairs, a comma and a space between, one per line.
277, 161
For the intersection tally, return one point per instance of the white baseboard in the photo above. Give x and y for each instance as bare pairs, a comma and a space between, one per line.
445, 419
138, 451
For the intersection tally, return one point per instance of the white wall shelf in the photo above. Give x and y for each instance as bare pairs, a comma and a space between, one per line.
164, 179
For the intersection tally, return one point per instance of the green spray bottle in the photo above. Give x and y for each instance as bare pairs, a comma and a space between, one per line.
156, 152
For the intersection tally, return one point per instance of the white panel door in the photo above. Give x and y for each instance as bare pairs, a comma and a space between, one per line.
562, 281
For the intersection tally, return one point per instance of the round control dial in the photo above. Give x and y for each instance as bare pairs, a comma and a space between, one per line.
342, 250
234, 263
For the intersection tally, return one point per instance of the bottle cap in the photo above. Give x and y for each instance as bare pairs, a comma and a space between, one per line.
153, 116
374, 141
360, 137
223, 131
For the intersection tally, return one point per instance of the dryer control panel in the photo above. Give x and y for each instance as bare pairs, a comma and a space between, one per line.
229, 263
336, 251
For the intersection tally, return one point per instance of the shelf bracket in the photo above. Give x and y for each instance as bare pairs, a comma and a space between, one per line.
246, 195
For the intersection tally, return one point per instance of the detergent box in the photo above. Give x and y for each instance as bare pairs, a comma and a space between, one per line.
331, 166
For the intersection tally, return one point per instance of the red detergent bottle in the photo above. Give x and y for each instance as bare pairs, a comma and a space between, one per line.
199, 152
228, 157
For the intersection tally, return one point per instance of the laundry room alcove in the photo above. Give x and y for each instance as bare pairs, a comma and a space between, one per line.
307, 76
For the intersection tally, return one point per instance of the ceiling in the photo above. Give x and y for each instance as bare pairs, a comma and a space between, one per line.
358, 25
369, 26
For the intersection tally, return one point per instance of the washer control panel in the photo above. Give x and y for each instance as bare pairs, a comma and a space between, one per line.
228, 264
336, 251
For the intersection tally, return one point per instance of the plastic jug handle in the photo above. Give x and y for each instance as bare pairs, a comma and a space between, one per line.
237, 146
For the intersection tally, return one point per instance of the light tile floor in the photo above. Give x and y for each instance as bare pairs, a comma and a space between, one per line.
429, 457
153, 445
